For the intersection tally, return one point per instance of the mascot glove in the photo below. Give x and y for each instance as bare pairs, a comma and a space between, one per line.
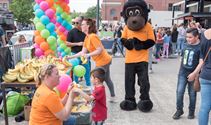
127, 43
138, 45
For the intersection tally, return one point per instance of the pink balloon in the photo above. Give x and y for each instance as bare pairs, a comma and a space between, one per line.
67, 1
66, 32
64, 82
38, 1
61, 29
53, 20
58, 24
44, 5
39, 52
36, 46
50, 13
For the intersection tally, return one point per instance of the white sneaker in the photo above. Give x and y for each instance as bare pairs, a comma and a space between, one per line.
112, 99
150, 71
118, 54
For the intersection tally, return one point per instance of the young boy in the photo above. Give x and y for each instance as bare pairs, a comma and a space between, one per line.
190, 60
99, 111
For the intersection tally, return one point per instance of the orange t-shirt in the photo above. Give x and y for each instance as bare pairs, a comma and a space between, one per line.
91, 43
45, 104
134, 56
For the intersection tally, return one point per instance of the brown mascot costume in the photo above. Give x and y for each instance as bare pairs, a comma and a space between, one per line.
137, 38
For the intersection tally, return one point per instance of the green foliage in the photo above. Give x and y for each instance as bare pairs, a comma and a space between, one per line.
91, 12
22, 10
75, 14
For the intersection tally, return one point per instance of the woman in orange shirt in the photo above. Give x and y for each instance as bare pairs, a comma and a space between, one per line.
47, 107
93, 45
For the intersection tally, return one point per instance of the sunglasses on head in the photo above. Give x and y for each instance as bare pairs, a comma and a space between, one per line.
73, 23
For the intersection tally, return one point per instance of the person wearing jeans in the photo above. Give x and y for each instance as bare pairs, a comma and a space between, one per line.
181, 86
204, 77
205, 101
189, 64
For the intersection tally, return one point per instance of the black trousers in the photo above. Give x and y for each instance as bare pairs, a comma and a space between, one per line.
141, 69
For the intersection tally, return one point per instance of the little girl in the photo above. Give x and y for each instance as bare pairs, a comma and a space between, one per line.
166, 41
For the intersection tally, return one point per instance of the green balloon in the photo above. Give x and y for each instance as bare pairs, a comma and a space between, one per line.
67, 50
64, 15
69, 18
79, 70
45, 33
40, 26
59, 41
63, 46
36, 20
59, 9
51, 40
53, 47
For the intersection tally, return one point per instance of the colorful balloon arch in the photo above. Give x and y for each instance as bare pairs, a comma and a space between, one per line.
52, 22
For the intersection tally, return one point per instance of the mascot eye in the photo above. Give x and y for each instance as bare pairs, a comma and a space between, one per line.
137, 12
130, 13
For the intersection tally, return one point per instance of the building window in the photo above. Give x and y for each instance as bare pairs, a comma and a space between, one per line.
170, 6
5, 5
178, 8
112, 12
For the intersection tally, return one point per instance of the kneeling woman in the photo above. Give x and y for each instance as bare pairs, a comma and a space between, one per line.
47, 107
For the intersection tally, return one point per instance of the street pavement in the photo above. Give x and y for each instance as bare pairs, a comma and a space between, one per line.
163, 94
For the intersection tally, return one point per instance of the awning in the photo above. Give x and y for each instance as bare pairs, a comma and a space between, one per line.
192, 15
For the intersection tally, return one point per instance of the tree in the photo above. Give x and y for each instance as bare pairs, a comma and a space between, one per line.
91, 12
22, 10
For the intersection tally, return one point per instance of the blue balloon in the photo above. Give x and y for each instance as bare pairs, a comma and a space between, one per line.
54, 34
63, 54
45, 19
36, 6
68, 27
74, 61
39, 13
68, 71
58, 14
59, 19
50, 27
64, 23
60, 49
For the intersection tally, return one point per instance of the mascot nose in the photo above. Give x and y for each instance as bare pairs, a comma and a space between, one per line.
134, 21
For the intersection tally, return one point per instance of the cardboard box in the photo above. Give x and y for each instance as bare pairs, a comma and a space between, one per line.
27, 110
26, 53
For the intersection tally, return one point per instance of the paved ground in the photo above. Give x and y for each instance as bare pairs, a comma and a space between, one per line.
163, 94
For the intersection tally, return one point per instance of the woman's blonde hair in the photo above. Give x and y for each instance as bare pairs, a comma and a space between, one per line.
20, 37
46, 70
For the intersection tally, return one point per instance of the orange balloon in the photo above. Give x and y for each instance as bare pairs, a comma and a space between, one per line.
49, 52
63, 37
36, 32
38, 39
44, 46
50, 2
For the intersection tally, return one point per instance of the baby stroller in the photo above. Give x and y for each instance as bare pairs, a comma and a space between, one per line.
115, 48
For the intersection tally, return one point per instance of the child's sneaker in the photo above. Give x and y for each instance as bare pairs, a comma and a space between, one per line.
112, 99
177, 114
191, 115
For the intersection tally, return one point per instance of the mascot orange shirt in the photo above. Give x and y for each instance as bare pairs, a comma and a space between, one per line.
134, 56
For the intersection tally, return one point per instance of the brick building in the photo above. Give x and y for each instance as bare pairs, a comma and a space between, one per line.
110, 9
4, 4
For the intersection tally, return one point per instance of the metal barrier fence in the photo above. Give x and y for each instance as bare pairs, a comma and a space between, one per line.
15, 50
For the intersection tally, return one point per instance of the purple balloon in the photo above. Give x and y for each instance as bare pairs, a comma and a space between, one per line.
61, 29
44, 5
50, 13
39, 52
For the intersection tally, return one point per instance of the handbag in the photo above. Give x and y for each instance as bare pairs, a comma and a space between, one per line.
196, 83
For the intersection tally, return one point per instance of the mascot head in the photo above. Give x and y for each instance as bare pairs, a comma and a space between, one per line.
135, 14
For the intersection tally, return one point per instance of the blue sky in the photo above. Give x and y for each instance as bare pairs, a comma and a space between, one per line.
82, 5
